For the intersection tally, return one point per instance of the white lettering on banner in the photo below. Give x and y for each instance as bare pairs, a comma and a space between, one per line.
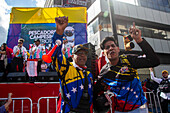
45, 36
78, 2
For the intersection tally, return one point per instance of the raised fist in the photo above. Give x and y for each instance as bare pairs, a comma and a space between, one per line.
61, 24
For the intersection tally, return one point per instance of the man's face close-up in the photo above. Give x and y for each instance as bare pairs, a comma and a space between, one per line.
37, 42
111, 50
20, 43
165, 74
80, 57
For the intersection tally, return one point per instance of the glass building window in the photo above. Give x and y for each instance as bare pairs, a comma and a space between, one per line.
93, 27
147, 32
161, 5
155, 33
155, 6
104, 24
168, 34
167, 9
162, 34
150, 5
142, 30
143, 3
122, 29
161, 8
160, 2
166, 3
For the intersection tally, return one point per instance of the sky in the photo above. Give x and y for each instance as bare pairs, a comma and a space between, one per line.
5, 9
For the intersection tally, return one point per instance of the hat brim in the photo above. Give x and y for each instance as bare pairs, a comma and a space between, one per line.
164, 71
83, 48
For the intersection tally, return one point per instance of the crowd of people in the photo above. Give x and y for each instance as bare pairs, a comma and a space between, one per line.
78, 92
15, 59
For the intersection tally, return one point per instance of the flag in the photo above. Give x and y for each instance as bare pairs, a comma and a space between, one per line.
101, 61
32, 67
39, 23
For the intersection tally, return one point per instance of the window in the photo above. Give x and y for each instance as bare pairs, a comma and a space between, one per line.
105, 24
161, 8
165, 3
162, 34
147, 32
160, 2
143, 3
161, 5
155, 33
122, 29
93, 27
155, 6
168, 34
150, 5
142, 30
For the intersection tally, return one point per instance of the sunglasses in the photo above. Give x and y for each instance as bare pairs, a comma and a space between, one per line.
19, 42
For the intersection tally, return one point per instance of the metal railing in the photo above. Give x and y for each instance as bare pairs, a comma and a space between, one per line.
153, 102
22, 103
38, 105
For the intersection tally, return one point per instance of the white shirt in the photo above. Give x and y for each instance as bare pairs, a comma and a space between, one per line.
37, 51
20, 52
158, 80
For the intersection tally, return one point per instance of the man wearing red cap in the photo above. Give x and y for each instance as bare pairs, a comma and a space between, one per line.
164, 88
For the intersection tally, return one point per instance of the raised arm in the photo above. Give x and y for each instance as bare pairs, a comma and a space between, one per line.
158, 80
61, 24
151, 59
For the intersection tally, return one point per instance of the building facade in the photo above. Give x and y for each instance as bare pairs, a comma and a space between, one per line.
152, 17
68, 3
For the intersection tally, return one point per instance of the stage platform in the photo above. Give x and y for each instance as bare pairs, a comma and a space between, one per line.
33, 91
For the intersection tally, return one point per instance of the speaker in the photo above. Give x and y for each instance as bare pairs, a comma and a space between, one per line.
16, 77
1, 76
91, 58
47, 77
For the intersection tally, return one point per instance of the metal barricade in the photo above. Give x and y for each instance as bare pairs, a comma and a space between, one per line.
110, 94
38, 105
159, 100
22, 103
153, 102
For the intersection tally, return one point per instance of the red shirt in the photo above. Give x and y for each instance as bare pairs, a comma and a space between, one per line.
9, 53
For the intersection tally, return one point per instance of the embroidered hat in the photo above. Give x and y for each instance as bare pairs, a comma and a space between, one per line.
78, 48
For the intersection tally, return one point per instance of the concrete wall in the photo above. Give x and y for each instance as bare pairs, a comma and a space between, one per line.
142, 13
129, 10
